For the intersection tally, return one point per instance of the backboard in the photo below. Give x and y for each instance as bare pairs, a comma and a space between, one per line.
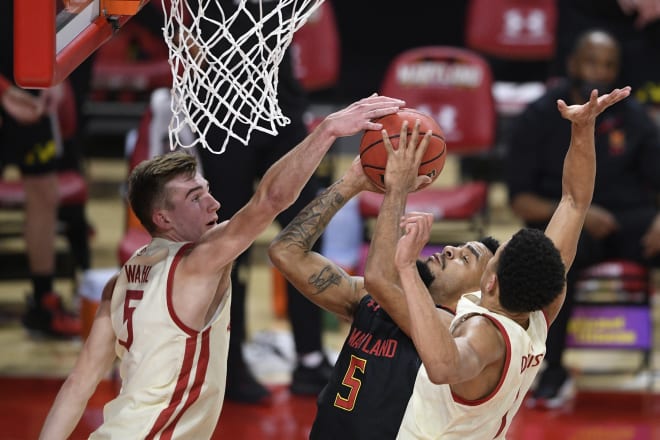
52, 37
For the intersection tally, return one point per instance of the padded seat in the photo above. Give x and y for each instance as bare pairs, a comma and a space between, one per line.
512, 29
315, 50
72, 190
454, 85
445, 203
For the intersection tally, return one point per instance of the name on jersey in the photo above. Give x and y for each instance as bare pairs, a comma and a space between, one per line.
136, 273
530, 361
366, 343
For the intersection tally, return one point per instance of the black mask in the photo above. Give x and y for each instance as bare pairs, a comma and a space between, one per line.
584, 87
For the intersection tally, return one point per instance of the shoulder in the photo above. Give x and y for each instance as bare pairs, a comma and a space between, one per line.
109, 287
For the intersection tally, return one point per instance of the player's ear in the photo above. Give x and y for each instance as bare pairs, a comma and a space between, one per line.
160, 219
491, 282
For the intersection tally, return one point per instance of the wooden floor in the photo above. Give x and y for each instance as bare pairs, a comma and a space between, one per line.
608, 407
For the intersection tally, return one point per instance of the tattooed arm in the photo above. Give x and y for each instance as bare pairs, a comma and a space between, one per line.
318, 278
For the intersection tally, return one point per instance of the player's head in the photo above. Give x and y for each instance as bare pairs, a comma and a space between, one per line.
157, 183
593, 63
456, 270
529, 270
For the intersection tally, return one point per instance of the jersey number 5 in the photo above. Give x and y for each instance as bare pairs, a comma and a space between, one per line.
353, 384
128, 316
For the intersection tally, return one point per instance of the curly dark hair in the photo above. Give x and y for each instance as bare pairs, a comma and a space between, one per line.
530, 271
491, 243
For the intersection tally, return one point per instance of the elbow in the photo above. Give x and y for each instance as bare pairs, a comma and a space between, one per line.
277, 253
374, 279
440, 374
275, 199
577, 201
437, 379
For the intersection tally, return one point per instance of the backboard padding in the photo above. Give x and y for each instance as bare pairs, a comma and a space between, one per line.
49, 43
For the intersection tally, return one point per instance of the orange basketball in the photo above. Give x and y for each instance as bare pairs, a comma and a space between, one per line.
373, 154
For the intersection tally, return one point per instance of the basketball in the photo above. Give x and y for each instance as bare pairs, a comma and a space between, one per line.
373, 154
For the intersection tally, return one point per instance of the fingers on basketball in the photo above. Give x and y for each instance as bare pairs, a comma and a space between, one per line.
373, 151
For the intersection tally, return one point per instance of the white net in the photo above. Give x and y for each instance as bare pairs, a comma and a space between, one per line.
225, 57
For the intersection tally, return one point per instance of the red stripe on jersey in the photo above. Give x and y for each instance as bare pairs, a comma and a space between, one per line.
170, 283
196, 387
507, 362
179, 390
502, 425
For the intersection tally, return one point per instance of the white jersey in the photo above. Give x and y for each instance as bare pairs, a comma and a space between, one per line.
173, 377
433, 412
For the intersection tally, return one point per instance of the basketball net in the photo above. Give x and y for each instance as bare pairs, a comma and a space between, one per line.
225, 76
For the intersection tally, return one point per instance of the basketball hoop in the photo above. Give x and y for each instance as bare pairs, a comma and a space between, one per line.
225, 57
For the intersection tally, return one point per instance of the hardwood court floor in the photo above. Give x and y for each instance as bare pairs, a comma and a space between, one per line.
594, 415
621, 407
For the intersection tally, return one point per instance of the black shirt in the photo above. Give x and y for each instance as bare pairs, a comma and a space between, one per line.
627, 153
372, 380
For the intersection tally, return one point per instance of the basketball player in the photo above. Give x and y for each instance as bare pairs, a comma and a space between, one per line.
166, 313
477, 372
374, 375
378, 388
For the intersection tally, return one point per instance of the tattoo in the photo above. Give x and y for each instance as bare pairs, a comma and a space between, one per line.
308, 225
324, 279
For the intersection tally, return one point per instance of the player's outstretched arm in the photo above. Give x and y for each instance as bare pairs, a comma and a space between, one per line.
282, 183
578, 178
318, 278
93, 363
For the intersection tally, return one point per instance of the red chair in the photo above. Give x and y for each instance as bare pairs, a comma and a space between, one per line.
512, 29
315, 50
316, 56
454, 85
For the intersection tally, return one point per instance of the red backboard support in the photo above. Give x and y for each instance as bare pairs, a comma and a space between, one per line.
37, 61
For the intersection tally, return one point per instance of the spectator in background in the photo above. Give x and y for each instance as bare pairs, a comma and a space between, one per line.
623, 220
26, 140
634, 23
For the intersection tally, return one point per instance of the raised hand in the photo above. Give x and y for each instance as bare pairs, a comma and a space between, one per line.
417, 231
402, 167
358, 116
587, 112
